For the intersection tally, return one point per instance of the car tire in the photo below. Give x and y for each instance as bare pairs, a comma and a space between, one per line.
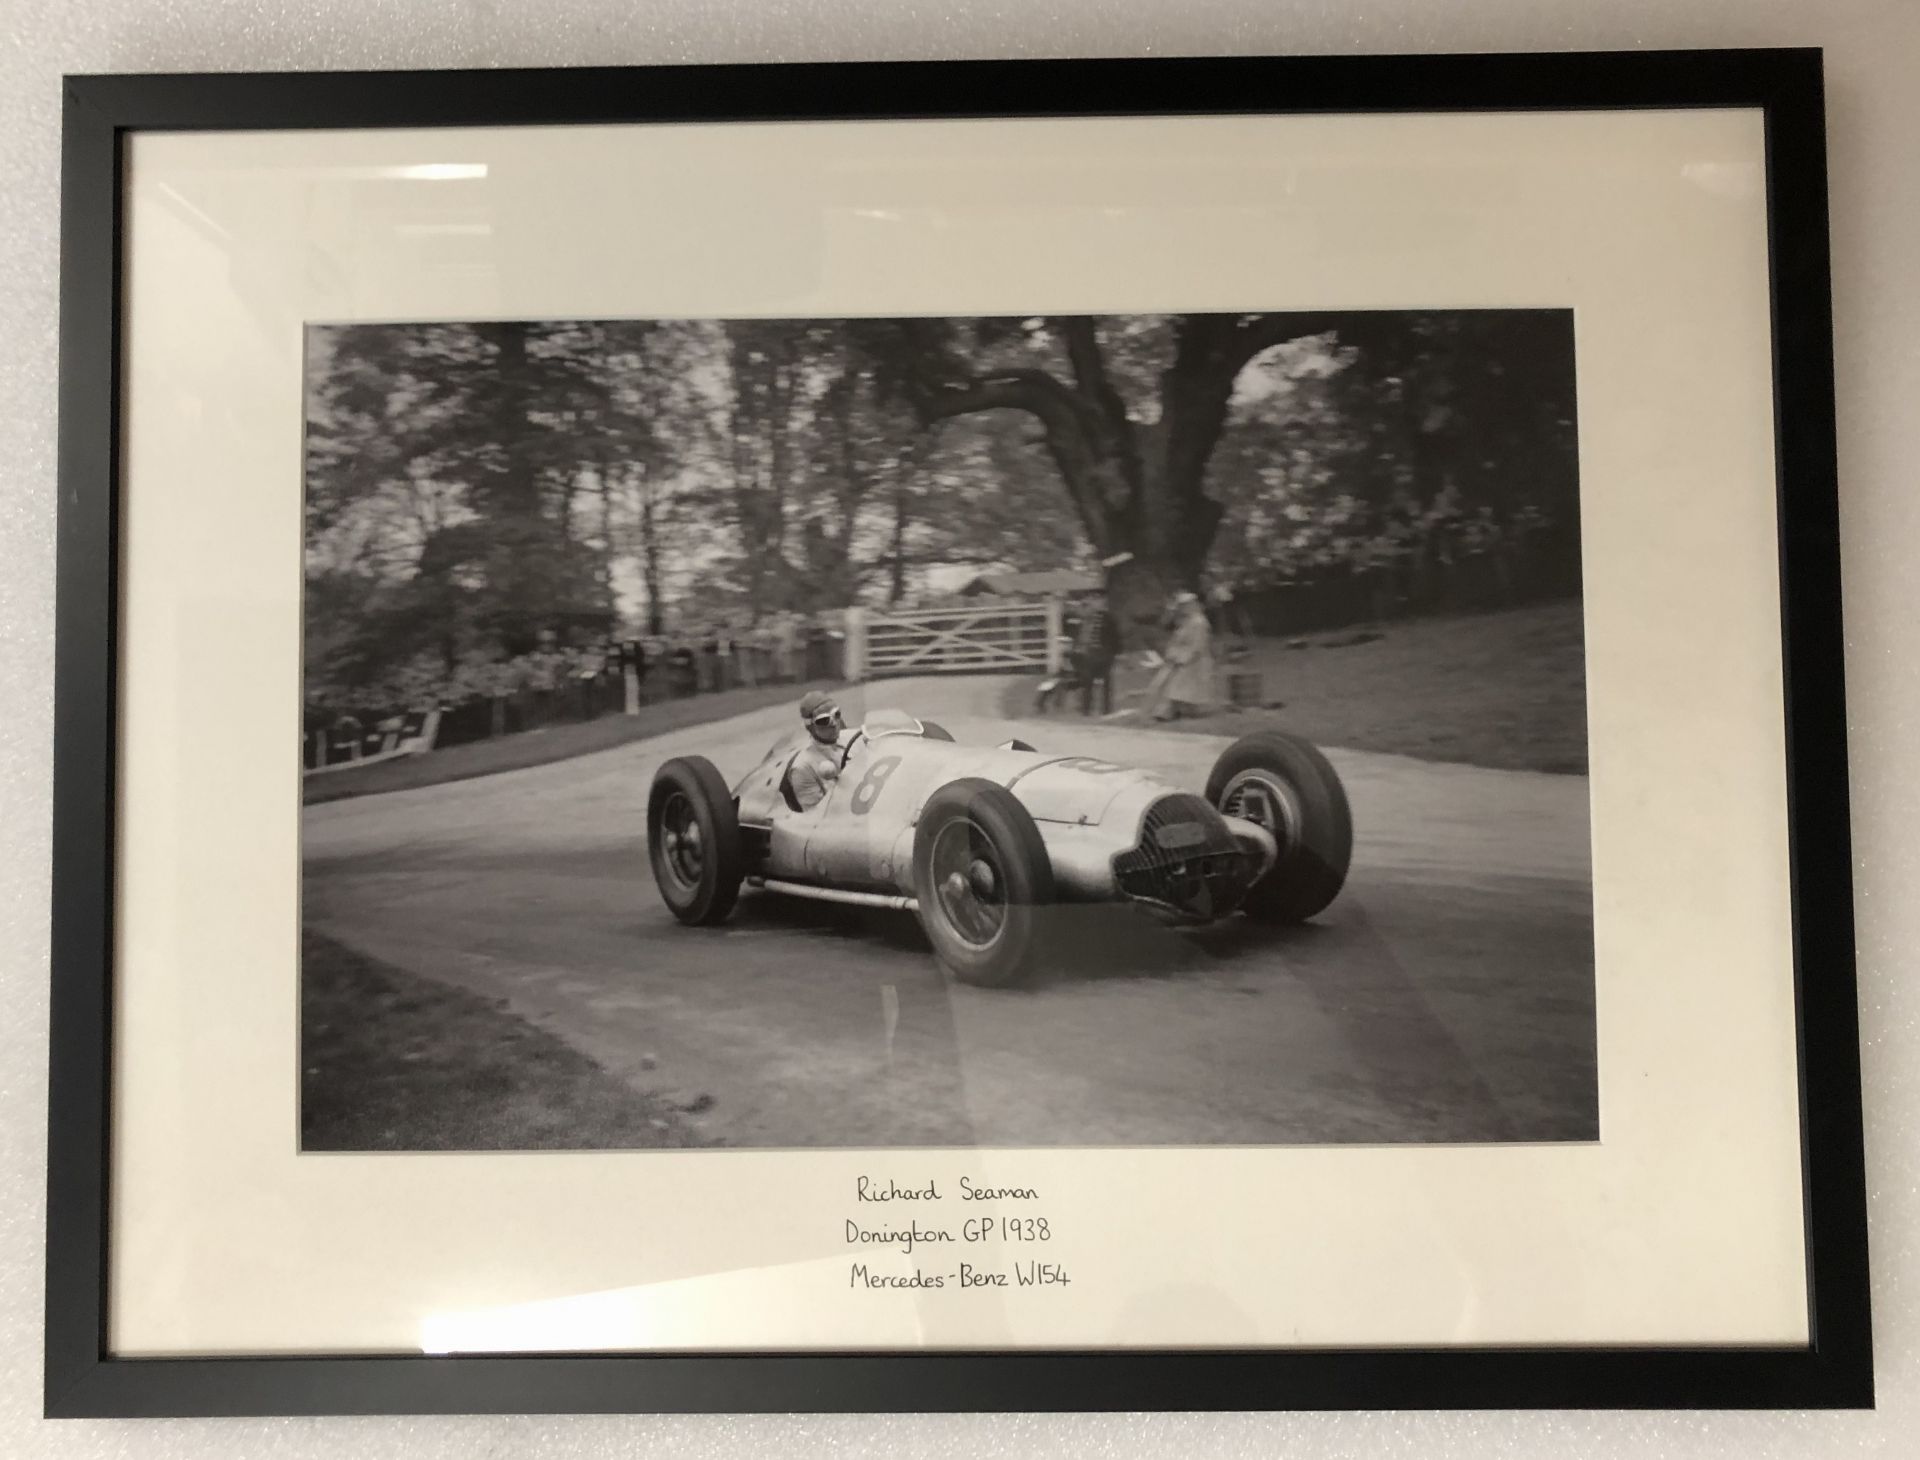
930, 730
981, 872
1285, 784
693, 841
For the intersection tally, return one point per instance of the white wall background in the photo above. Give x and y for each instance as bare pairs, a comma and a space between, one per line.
1874, 119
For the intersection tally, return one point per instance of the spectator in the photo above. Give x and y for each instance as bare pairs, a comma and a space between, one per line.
786, 646
745, 645
347, 733
646, 663
1056, 684
763, 665
686, 670
1229, 621
709, 660
1096, 644
1188, 688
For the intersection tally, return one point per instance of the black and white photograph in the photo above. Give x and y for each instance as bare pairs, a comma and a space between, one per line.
1026, 731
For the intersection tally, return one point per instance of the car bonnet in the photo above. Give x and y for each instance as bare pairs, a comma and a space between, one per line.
1076, 789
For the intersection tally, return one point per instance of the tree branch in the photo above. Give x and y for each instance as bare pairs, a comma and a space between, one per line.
1074, 434
1103, 412
1033, 391
1076, 332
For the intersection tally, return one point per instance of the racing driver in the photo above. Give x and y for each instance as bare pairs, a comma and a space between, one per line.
817, 766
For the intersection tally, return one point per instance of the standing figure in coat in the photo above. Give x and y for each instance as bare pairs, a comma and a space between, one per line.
1187, 686
1096, 644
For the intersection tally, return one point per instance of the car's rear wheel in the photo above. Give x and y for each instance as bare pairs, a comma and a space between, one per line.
693, 840
1285, 785
981, 872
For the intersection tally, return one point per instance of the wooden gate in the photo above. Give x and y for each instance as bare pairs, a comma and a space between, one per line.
1021, 635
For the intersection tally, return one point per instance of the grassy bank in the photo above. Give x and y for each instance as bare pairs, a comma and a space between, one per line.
1504, 689
391, 1061
539, 747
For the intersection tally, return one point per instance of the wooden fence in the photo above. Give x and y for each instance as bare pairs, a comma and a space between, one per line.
1018, 635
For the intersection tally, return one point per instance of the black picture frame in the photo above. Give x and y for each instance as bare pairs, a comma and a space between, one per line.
82, 1378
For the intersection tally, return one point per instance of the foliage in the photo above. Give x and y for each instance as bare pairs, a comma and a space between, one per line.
1448, 437
479, 495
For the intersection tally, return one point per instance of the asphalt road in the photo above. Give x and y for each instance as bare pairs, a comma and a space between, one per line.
1446, 996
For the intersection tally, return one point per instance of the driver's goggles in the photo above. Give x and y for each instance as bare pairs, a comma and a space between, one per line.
832, 717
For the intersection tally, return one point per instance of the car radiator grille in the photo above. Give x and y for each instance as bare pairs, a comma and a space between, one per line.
1186, 860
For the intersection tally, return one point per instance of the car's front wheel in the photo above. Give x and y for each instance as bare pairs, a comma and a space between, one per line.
981, 872
693, 840
1284, 784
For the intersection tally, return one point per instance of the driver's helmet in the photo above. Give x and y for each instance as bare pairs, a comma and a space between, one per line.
818, 708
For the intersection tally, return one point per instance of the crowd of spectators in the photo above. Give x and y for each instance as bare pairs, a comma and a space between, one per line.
1189, 641
781, 648
561, 681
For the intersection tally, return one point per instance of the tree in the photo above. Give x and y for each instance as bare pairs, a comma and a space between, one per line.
818, 484
1134, 473
486, 417
984, 493
445, 463
656, 424
1437, 458
477, 490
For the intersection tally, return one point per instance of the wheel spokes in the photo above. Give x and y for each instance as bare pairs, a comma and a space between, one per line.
969, 883
1266, 803
681, 841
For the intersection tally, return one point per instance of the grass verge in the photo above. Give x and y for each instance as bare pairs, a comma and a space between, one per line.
391, 1061
1505, 689
540, 747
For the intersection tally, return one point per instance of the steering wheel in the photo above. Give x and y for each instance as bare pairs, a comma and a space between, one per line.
852, 740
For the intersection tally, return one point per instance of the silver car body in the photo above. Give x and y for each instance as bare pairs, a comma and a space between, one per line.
1112, 833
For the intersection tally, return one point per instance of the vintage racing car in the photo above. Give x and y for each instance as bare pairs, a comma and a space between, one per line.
977, 839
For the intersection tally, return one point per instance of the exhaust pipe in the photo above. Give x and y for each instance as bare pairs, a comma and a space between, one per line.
833, 894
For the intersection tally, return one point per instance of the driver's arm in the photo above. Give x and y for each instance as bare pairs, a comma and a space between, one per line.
812, 773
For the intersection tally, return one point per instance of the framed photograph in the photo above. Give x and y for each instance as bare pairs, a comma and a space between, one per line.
1061, 735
